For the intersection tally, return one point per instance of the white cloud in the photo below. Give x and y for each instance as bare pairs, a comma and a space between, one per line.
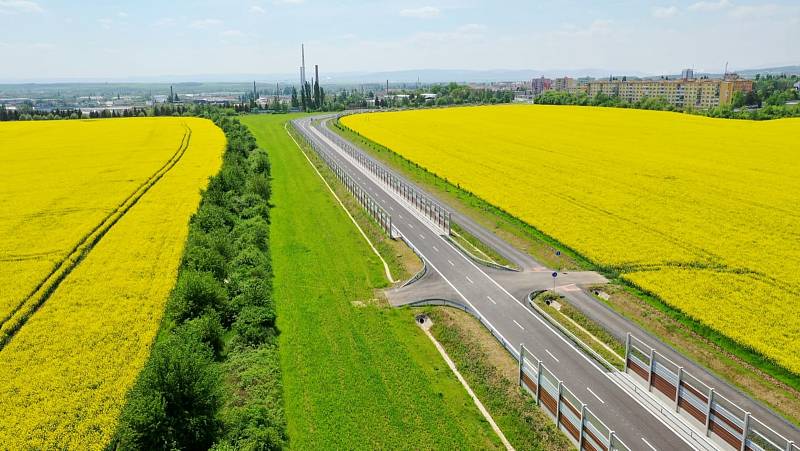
164, 22
232, 34
203, 24
105, 23
424, 12
19, 6
709, 5
122, 14
745, 11
599, 27
255, 9
665, 12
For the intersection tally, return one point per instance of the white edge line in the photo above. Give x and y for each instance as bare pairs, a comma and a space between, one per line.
385, 265
550, 354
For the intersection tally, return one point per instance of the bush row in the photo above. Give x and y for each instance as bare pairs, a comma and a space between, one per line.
213, 380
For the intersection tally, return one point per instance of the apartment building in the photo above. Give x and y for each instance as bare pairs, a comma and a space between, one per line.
700, 93
540, 85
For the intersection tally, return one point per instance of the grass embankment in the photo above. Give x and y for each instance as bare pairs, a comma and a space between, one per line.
587, 331
493, 375
356, 374
742, 367
476, 247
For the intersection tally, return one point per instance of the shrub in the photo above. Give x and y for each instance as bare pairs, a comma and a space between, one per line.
255, 325
195, 293
174, 402
208, 330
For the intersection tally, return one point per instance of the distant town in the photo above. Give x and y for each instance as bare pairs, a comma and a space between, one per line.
687, 91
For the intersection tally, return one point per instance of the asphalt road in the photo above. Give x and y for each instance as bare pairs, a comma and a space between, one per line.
500, 298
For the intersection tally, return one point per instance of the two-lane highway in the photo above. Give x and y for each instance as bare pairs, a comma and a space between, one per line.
508, 315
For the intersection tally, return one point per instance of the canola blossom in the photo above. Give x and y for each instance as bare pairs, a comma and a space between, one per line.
702, 212
65, 372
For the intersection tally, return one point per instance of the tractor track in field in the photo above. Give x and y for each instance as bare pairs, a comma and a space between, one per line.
12, 322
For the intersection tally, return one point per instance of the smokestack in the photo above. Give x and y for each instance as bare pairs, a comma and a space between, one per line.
302, 65
316, 72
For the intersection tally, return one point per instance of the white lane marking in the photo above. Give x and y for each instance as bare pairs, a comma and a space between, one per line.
409, 224
400, 216
595, 395
469, 280
383, 200
391, 208
436, 248
422, 236
520, 326
490, 298
451, 262
648, 444
551, 355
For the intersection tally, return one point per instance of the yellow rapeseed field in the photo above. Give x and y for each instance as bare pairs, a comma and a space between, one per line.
65, 372
703, 212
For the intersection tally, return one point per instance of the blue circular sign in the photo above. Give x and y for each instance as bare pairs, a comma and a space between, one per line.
555, 274
558, 253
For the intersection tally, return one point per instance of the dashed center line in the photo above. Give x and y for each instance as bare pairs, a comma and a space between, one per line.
490, 298
436, 248
451, 262
391, 208
409, 224
595, 395
551, 355
518, 324
469, 280
400, 216
648, 444
422, 236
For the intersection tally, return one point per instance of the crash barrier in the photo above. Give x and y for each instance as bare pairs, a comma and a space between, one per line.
712, 413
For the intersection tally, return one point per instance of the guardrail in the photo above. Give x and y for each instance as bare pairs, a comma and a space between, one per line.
713, 414
418, 199
372, 206
568, 333
571, 415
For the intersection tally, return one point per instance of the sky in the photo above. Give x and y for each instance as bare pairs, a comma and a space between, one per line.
125, 40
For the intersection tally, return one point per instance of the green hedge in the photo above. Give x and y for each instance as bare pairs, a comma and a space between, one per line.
213, 377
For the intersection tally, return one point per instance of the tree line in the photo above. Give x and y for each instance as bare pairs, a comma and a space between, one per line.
213, 376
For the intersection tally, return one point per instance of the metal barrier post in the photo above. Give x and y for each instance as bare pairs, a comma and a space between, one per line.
650, 374
583, 425
708, 410
627, 350
538, 380
521, 361
558, 404
678, 389
745, 427
610, 439
789, 445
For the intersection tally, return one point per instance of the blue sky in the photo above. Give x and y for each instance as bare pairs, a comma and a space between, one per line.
64, 39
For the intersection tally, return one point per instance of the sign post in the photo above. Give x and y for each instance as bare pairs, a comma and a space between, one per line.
555, 274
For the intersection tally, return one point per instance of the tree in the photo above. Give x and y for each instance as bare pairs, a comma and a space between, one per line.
295, 102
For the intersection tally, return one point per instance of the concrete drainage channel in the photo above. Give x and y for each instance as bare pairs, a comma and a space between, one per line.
425, 323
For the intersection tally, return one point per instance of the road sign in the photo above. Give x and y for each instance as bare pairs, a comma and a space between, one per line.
555, 274
558, 253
